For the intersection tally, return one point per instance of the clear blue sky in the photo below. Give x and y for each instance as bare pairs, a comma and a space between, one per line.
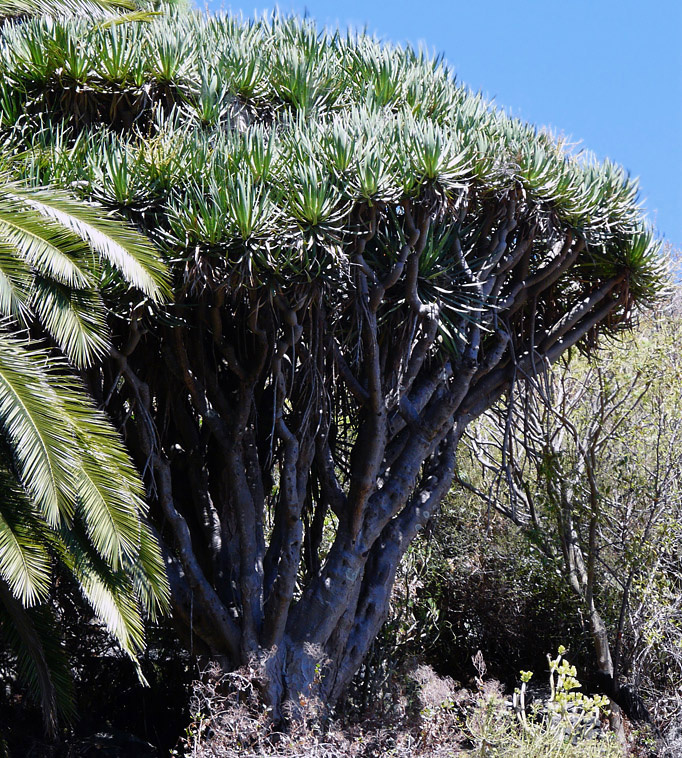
607, 73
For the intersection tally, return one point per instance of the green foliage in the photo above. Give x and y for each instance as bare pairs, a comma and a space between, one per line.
606, 465
568, 723
71, 470
70, 493
55, 254
274, 164
564, 684
282, 130
496, 731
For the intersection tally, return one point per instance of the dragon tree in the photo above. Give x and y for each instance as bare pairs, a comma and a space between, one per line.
365, 257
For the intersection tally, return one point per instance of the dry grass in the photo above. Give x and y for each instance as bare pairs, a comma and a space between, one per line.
432, 718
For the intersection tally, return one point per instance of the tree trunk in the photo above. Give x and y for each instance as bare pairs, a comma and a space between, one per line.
581, 578
296, 438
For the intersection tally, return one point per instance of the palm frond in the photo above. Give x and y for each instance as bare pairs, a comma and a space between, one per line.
25, 564
111, 594
33, 422
148, 573
41, 660
112, 521
48, 247
116, 243
16, 279
75, 318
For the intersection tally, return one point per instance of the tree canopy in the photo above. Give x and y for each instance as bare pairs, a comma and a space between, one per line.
268, 135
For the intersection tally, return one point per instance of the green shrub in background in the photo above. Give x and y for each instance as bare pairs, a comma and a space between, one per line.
566, 724
594, 469
480, 579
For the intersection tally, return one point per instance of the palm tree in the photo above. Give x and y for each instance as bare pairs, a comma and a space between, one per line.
69, 491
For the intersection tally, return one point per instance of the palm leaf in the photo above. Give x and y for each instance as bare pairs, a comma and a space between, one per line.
148, 573
47, 247
110, 593
110, 498
24, 561
111, 520
15, 283
119, 245
32, 420
75, 318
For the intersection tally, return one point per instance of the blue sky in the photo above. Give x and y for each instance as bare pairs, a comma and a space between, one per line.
607, 73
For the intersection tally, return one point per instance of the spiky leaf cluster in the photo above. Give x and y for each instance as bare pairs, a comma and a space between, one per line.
256, 142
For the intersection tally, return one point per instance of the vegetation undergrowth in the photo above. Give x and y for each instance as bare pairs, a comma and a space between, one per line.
431, 717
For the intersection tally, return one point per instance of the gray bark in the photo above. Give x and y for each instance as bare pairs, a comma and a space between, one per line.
301, 433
